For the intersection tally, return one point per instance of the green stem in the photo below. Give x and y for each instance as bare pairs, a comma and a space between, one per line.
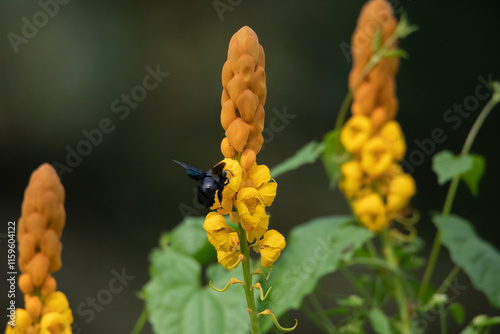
311, 315
448, 280
343, 110
442, 318
372, 249
344, 270
398, 287
450, 196
254, 321
140, 322
325, 321
377, 263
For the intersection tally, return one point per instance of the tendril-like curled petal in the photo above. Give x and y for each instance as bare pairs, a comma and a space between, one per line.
276, 323
259, 287
232, 281
236, 264
258, 271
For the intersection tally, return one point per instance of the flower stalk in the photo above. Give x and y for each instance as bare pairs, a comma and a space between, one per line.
452, 190
247, 277
398, 287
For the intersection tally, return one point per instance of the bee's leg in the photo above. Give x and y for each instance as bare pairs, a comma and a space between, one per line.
219, 195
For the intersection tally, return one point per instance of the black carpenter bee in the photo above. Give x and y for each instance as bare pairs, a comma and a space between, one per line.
210, 181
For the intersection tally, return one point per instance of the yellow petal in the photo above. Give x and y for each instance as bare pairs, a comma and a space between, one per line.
371, 212
270, 247
259, 174
401, 189
56, 302
268, 192
234, 173
393, 135
217, 230
257, 231
22, 322
273, 238
376, 157
355, 132
54, 323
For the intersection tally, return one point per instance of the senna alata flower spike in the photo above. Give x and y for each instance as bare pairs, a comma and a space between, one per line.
373, 180
40, 229
276, 323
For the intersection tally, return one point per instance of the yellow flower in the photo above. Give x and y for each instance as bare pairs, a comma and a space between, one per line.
257, 231
217, 230
250, 208
54, 323
231, 257
401, 190
270, 247
22, 322
352, 176
376, 157
393, 135
355, 133
56, 302
371, 212
261, 177
234, 174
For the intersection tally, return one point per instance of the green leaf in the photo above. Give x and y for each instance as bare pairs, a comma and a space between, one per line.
404, 28
377, 41
334, 156
469, 330
446, 165
313, 250
457, 312
479, 260
482, 321
396, 53
480, 324
379, 321
474, 174
306, 155
190, 238
177, 303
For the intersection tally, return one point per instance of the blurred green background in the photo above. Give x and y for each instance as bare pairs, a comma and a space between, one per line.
65, 77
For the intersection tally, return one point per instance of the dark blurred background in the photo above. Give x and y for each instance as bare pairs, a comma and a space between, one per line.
64, 78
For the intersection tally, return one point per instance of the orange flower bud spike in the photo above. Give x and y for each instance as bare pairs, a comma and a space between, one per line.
268, 312
249, 189
40, 229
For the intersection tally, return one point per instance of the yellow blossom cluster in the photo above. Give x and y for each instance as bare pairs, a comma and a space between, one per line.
373, 179
250, 188
39, 231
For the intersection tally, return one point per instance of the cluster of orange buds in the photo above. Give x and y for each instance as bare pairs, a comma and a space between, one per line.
373, 179
250, 188
39, 231
243, 98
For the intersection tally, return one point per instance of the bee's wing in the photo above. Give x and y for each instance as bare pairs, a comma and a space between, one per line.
194, 173
217, 169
